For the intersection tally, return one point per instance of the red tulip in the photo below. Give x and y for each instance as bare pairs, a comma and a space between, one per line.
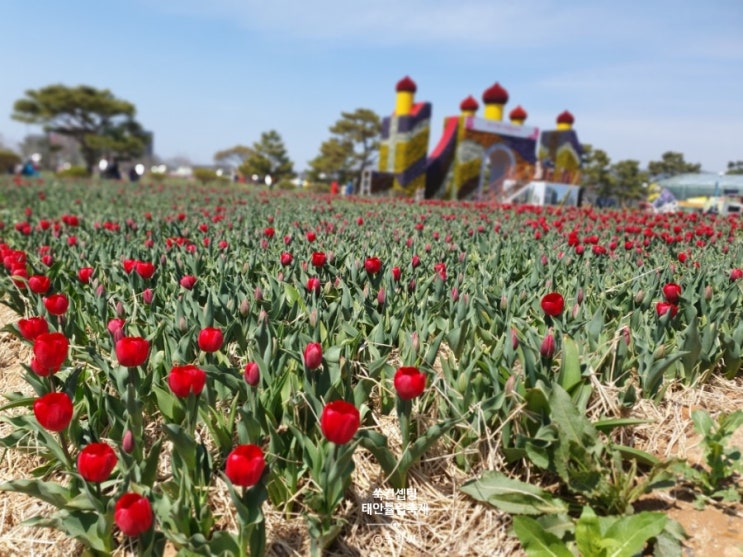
339, 421
210, 339
313, 355
32, 327
129, 265
396, 273
415, 261
245, 465
148, 295
286, 258
115, 325
313, 285
56, 304
553, 304
409, 382
736, 274
311, 236
252, 374
84, 274
133, 514
269, 232
440, 269
132, 351
145, 269
672, 292
127, 442
183, 380
53, 411
188, 281
50, 352
547, 348
372, 265
39, 284
96, 462
319, 259
661, 308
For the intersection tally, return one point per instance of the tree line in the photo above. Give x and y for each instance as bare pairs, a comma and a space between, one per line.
103, 125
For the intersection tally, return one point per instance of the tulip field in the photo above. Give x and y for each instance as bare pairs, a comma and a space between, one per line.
201, 358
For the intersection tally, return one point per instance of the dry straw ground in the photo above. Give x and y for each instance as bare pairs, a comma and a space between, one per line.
454, 524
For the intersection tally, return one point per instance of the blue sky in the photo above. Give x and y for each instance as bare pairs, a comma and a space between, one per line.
640, 77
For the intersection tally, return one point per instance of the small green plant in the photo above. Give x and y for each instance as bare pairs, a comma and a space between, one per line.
74, 172
716, 480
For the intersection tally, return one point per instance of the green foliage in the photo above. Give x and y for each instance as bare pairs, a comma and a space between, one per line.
596, 171
100, 123
268, 157
74, 172
8, 160
672, 163
234, 156
717, 480
735, 167
205, 175
351, 149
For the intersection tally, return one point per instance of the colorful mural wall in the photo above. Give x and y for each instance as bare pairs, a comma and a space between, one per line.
481, 157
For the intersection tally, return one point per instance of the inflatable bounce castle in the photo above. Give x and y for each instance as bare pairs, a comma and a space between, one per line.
476, 157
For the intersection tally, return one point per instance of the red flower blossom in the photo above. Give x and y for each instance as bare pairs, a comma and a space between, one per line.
32, 327
96, 462
553, 304
313, 355
56, 304
53, 411
286, 258
252, 374
409, 382
396, 274
133, 514
210, 339
319, 259
372, 265
245, 465
84, 274
132, 351
188, 281
50, 352
129, 265
661, 308
313, 285
145, 269
547, 348
183, 380
39, 284
672, 292
339, 421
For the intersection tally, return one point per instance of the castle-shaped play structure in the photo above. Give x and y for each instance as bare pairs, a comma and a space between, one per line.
476, 157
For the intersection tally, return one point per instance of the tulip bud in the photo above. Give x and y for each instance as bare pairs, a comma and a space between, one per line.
575, 311
258, 294
708, 293
148, 296
252, 374
100, 291
547, 349
381, 297
454, 294
127, 443
313, 318
514, 339
579, 296
415, 342
659, 352
182, 324
639, 296
119, 309
503, 302
244, 308
510, 385
626, 335
263, 316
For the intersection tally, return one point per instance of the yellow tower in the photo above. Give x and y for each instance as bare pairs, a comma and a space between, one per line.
406, 89
494, 98
565, 121
518, 116
469, 106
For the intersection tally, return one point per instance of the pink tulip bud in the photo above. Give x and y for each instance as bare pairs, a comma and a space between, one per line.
263, 316
127, 443
313, 318
707, 293
258, 294
639, 295
100, 291
514, 339
415, 342
148, 296
503, 302
575, 311
454, 294
579, 296
252, 374
119, 309
244, 308
547, 349
381, 297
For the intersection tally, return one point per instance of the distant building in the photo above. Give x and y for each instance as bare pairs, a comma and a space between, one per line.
705, 184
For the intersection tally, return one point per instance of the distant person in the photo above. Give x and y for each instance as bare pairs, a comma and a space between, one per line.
133, 176
349, 188
28, 169
334, 189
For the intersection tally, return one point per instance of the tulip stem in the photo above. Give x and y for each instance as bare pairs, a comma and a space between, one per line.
65, 450
404, 409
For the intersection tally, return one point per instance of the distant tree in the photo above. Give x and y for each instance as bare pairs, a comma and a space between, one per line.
630, 182
596, 172
102, 124
735, 167
234, 156
671, 164
352, 148
205, 175
269, 158
8, 160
